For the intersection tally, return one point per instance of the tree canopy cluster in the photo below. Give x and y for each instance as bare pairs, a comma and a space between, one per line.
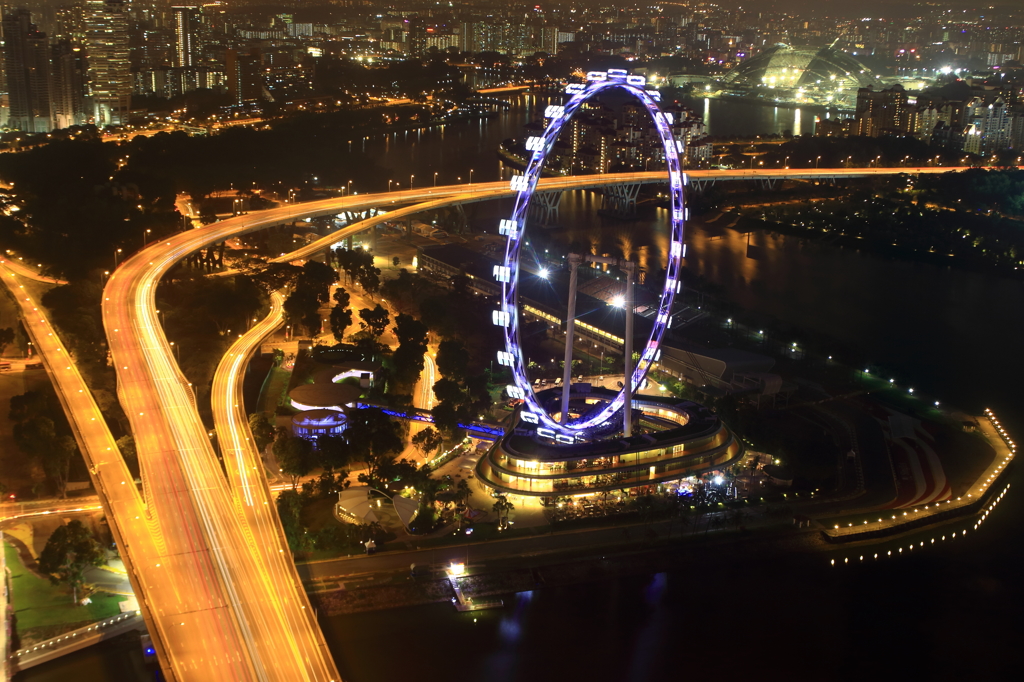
70, 550
461, 396
358, 266
938, 224
977, 190
202, 316
311, 291
42, 432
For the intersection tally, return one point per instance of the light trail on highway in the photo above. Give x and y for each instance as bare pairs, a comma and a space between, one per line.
245, 469
129, 522
259, 628
214, 554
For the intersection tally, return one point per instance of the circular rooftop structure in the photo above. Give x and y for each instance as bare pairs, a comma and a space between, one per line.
809, 68
327, 396
315, 423
678, 439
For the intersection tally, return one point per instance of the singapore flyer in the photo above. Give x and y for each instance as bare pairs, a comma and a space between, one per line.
514, 229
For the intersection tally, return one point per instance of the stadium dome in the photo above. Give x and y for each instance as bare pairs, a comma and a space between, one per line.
821, 69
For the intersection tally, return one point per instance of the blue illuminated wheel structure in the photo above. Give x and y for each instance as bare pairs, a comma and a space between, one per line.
513, 228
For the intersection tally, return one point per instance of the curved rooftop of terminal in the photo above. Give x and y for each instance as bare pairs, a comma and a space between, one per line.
678, 438
786, 66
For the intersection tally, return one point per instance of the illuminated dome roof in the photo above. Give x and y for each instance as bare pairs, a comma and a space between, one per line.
784, 66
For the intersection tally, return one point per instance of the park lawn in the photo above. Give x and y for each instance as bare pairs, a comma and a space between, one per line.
273, 388
37, 603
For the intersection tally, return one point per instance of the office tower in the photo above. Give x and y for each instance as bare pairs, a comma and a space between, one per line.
106, 48
67, 93
27, 70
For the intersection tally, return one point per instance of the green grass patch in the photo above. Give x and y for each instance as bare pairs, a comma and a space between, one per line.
40, 604
273, 390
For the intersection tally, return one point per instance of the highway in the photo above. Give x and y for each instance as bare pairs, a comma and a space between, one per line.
242, 622
246, 473
446, 195
424, 398
216, 598
18, 267
124, 508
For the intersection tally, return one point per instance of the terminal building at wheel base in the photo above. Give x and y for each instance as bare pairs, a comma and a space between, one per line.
674, 439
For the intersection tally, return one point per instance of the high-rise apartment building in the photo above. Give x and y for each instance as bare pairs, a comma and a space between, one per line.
244, 76
188, 47
106, 47
882, 112
552, 37
27, 71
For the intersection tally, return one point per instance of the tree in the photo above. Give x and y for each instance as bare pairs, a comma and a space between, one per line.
41, 431
6, 338
374, 321
462, 492
452, 360
126, 444
37, 437
401, 292
303, 307
412, 345
341, 319
317, 278
341, 314
369, 280
68, 552
396, 261
333, 452
502, 507
294, 455
289, 507
427, 441
373, 438
341, 297
262, 431
448, 390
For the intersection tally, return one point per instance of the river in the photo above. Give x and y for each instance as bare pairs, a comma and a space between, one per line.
946, 612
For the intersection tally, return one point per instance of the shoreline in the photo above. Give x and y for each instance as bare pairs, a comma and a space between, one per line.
645, 549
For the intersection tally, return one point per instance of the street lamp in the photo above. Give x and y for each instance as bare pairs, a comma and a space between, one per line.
349, 187
817, 161
471, 176
115, 257
389, 184
148, 231
177, 353
435, 178
410, 180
